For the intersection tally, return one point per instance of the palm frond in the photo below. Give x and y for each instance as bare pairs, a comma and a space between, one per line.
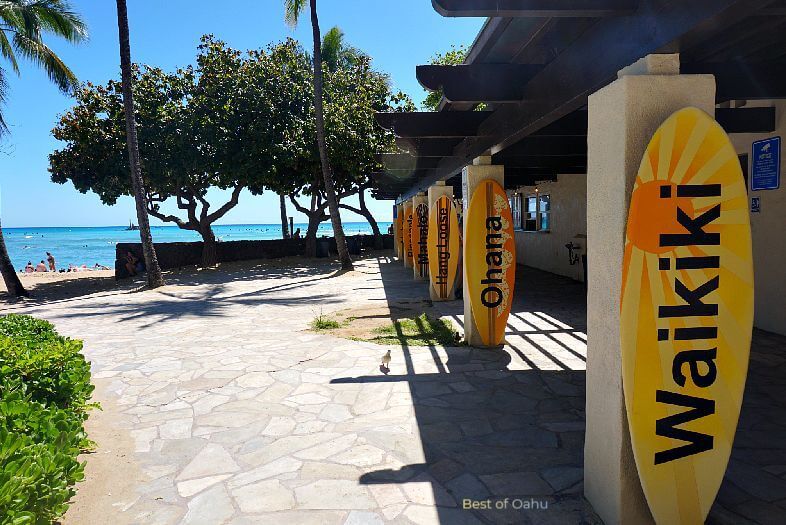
7, 50
41, 55
57, 17
3, 91
332, 47
292, 11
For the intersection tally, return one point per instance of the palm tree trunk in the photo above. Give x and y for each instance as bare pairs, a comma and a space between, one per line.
154, 276
284, 222
12, 282
330, 189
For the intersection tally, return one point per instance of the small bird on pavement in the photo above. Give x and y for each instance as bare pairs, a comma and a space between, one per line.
386, 359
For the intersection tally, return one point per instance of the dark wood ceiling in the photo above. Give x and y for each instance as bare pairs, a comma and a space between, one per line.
534, 75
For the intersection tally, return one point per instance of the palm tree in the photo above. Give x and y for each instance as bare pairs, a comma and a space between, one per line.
336, 53
292, 12
154, 276
22, 26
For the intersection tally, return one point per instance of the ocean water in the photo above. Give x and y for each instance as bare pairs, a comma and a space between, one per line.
93, 245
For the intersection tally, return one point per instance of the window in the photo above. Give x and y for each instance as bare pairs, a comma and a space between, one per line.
544, 208
515, 210
537, 213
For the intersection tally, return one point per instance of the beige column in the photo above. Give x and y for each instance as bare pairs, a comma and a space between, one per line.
440, 189
407, 207
418, 271
480, 170
622, 118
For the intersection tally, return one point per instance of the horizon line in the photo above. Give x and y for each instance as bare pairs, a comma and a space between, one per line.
177, 227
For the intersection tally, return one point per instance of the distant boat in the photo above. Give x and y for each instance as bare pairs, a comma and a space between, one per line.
132, 227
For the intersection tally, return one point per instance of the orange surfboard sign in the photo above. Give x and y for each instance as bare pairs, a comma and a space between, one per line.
407, 234
443, 246
686, 314
420, 240
400, 232
490, 260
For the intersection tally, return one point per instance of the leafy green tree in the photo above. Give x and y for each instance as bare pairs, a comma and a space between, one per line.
154, 276
193, 135
293, 10
354, 91
454, 57
23, 24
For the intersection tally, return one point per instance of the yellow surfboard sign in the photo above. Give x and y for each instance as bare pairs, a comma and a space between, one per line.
400, 233
490, 260
407, 234
443, 247
420, 240
686, 314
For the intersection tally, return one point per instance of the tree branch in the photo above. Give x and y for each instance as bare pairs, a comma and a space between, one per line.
169, 218
213, 217
350, 208
189, 205
298, 206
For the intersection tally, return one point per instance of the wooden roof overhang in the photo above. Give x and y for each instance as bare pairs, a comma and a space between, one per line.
535, 62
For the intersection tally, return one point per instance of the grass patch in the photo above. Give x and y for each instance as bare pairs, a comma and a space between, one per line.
416, 331
323, 322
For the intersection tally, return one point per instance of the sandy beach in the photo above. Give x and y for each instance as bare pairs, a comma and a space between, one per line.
55, 285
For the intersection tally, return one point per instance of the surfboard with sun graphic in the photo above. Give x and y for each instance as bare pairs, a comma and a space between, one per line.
686, 314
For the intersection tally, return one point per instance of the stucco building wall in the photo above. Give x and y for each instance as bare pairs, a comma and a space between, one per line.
546, 250
768, 228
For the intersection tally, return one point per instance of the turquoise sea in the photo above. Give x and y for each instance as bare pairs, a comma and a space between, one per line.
78, 246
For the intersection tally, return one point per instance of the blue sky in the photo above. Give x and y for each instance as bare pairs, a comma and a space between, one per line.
398, 35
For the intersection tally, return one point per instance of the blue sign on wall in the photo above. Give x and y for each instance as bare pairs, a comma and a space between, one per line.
766, 165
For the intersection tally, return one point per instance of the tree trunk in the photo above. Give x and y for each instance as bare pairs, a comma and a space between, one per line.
12, 282
371, 220
284, 221
311, 234
154, 276
330, 189
209, 249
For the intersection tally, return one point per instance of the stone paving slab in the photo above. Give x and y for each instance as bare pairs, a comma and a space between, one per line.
236, 413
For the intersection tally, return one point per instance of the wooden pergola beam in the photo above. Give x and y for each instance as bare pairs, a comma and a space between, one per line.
743, 80
587, 65
477, 83
428, 147
534, 8
405, 161
433, 124
746, 120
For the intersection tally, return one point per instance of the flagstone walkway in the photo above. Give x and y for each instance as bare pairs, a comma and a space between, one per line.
221, 406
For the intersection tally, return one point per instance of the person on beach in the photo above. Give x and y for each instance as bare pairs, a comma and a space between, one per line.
51, 260
41, 267
296, 235
29, 268
131, 261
